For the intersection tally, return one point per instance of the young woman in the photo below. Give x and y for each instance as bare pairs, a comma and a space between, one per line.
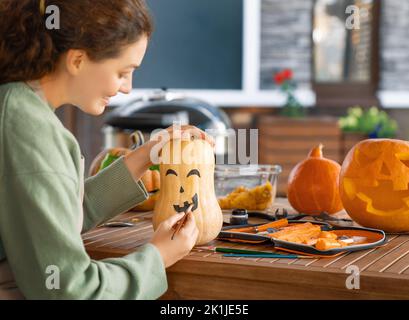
44, 204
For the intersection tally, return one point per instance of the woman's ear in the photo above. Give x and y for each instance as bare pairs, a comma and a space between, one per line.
75, 60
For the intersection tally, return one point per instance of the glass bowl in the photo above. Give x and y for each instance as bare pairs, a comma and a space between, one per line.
237, 177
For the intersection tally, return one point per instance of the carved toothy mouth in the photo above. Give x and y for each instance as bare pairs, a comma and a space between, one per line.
391, 201
186, 205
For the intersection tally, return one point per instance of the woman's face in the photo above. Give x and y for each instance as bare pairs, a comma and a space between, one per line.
96, 82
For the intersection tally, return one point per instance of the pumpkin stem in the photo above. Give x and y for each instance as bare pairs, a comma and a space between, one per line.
316, 152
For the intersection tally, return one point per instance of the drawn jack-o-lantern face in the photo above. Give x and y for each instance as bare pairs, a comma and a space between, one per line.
374, 183
190, 200
187, 178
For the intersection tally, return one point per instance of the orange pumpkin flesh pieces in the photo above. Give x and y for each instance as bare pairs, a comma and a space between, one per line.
313, 185
374, 184
151, 180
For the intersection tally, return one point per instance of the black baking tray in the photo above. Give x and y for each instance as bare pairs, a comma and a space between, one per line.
375, 238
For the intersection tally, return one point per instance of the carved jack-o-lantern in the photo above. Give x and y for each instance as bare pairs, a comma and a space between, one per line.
187, 178
374, 183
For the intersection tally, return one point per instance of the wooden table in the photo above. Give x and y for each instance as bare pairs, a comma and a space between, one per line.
384, 271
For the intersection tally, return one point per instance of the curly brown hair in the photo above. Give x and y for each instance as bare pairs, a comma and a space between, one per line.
29, 51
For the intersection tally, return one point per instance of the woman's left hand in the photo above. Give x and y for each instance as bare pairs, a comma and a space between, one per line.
185, 132
140, 159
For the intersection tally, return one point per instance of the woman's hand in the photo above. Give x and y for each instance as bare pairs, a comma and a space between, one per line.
140, 159
172, 250
186, 132
181, 132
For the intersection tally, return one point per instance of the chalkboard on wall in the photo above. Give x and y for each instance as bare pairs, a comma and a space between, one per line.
197, 44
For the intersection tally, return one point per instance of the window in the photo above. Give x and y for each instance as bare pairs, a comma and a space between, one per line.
345, 52
195, 45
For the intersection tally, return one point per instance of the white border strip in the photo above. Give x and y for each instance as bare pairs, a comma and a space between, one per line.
251, 46
394, 99
232, 98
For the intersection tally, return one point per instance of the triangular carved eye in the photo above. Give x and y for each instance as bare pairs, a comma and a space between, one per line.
385, 170
364, 159
404, 158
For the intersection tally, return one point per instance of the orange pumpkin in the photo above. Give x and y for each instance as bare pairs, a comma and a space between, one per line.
313, 184
151, 180
374, 184
148, 204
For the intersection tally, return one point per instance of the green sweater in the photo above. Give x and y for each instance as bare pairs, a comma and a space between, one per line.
41, 210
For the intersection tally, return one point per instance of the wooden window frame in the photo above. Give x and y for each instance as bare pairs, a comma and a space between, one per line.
346, 94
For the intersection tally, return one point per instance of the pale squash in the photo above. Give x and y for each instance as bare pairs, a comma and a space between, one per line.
187, 177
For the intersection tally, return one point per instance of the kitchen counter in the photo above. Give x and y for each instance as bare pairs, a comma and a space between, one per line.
383, 271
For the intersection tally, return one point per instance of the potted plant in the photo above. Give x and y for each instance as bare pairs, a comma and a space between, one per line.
359, 124
292, 107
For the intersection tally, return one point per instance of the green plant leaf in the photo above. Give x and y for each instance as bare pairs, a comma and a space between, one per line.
108, 159
154, 167
368, 122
